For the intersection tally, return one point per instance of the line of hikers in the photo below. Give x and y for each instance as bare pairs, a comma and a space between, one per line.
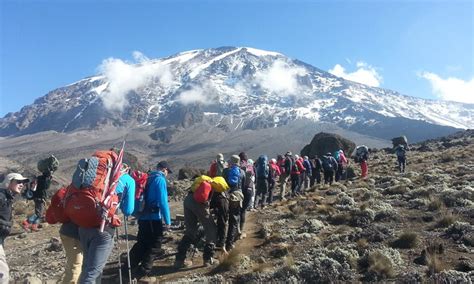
218, 201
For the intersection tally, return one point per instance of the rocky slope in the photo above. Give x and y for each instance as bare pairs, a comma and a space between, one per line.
416, 226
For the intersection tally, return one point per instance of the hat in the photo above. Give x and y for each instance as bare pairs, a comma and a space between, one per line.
273, 161
13, 176
328, 154
297, 156
288, 153
250, 161
243, 156
220, 157
234, 159
164, 165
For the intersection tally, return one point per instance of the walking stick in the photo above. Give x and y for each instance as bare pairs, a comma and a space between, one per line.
119, 261
128, 249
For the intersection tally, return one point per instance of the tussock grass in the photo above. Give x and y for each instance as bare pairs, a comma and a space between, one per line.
339, 219
446, 158
446, 220
380, 265
325, 209
362, 244
435, 204
406, 240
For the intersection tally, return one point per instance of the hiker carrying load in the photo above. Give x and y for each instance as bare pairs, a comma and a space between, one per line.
400, 151
361, 157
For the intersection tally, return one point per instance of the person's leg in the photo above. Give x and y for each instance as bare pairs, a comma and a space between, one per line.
4, 269
97, 247
245, 206
190, 227
234, 216
155, 245
210, 230
222, 209
73, 251
271, 187
142, 245
283, 180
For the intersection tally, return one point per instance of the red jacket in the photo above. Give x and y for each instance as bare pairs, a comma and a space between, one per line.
298, 168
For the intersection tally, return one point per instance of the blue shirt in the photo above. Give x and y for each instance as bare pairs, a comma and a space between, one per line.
156, 197
126, 190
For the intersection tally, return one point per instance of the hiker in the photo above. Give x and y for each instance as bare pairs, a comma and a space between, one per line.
69, 234
43, 183
306, 175
316, 167
285, 169
248, 190
295, 175
400, 151
198, 211
217, 166
11, 186
150, 222
262, 173
272, 178
329, 165
362, 155
341, 164
220, 205
97, 245
235, 178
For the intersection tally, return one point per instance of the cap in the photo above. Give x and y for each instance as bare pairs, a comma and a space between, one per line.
220, 157
297, 156
250, 161
164, 165
288, 153
13, 176
235, 159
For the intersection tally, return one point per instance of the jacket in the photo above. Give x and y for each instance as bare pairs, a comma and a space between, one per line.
126, 190
156, 199
42, 186
6, 202
298, 168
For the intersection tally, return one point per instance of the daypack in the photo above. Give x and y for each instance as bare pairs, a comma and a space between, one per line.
262, 167
84, 199
216, 169
401, 152
219, 184
48, 165
56, 212
326, 163
233, 176
197, 181
202, 192
140, 187
336, 155
249, 173
362, 150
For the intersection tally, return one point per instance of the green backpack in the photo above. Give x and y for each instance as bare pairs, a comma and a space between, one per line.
48, 165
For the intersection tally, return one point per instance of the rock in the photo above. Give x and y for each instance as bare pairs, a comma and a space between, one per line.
32, 280
323, 143
312, 226
54, 245
452, 276
189, 173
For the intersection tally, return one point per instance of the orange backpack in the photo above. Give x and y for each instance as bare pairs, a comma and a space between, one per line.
85, 203
55, 212
202, 192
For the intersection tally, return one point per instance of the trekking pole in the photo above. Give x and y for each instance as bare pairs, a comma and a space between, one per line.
125, 218
119, 261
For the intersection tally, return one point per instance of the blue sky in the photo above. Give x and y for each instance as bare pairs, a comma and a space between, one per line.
419, 48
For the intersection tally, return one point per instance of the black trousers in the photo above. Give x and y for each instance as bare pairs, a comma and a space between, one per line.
245, 206
295, 184
328, 176
234, 222
148, 245
315, 177
221, 207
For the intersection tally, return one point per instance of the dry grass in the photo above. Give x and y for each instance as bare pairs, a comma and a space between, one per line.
406, 240
339, 219
435, 204
325, 209
381, 265
362, 244
446, 158
446, 219
435, 264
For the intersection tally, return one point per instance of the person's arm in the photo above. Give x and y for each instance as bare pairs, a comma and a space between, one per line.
163, 200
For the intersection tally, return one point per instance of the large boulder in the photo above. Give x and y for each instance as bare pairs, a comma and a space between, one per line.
189, 173
328, 142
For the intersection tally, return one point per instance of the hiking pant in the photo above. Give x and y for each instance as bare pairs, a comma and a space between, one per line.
74, 257
283, 180
148, 245
339, 172
221, 207
4, 270
262, 189
234, 222
305, 177
364, 169
195, 213
39, 210
315, 176
295, 184
328, 176
401, 164
271, 187
252, 198
96, 247
248, 193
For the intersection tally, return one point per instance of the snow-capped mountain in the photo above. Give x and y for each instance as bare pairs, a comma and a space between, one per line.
244, 87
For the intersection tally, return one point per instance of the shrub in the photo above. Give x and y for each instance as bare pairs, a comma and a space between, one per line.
380, 265
406, 240
435, 204
446, 220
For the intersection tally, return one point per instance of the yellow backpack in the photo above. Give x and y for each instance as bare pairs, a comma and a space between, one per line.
219, 184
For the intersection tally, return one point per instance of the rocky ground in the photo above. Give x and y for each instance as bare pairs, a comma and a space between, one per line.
412, 227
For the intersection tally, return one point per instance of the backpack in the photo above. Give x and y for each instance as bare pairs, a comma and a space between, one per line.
48, 165
140, 188
401, 152
327, 163
262, 167
249, 174
84, 203
55, 212
202, 192
289, 164
213, 169
233, 176
336, 155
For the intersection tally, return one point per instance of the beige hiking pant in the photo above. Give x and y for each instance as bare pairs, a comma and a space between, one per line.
4, 270
73, 250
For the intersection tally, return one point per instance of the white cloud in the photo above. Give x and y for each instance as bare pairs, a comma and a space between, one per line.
280, 78
364, 74
451, 89
198, 94
124, 77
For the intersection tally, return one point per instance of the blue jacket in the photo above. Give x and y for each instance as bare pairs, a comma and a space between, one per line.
126, 190
156, 199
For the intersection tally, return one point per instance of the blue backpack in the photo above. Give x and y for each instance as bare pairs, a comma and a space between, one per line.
233, 177
262, 167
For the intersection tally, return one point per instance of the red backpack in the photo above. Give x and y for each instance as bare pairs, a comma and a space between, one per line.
84, 204
140, 182
203, 192
55, 212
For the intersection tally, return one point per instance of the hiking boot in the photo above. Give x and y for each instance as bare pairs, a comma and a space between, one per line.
26, 225
210, 262
180, 264
229, 247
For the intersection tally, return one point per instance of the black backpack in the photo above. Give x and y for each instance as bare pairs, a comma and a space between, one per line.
327, 163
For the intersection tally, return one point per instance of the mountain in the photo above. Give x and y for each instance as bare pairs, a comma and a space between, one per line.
236, 88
